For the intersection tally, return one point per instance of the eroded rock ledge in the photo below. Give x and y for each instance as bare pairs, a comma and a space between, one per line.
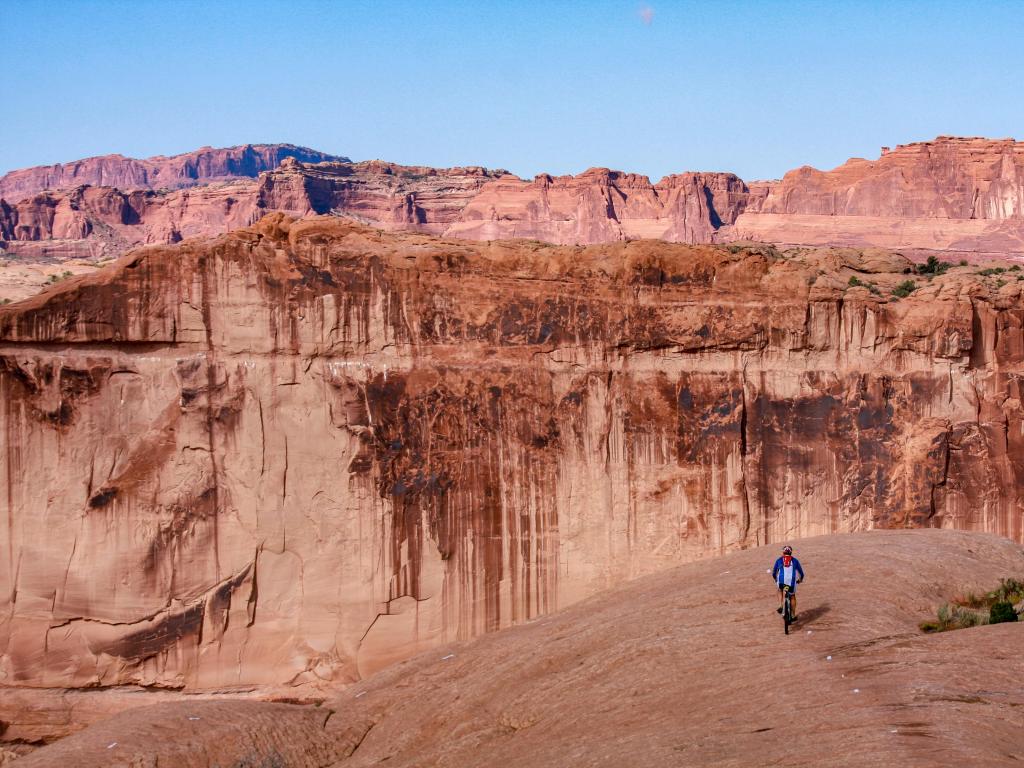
303, 450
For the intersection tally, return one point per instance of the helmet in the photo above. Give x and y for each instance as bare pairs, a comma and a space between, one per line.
787, 550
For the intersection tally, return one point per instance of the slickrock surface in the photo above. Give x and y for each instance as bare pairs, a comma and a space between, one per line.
686, 667
128, 173
304, 450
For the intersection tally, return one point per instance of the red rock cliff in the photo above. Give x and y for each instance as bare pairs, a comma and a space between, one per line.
199, 167
306, 449
953, 194
958, 198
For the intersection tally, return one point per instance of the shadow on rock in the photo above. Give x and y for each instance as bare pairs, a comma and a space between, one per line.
809, 615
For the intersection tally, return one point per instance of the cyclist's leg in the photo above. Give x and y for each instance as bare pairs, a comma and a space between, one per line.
792, 602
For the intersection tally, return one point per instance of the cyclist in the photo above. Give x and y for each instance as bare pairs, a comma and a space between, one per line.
787, 571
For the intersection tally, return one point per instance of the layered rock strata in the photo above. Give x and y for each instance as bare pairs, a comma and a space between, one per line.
202, 166
304, 450
958, 198
104, 222
964, 196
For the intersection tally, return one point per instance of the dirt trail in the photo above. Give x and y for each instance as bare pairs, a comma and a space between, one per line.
689, 667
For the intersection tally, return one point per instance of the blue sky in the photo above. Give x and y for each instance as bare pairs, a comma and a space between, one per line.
653, 87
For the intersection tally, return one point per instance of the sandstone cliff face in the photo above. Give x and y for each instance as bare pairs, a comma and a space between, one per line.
107, 222
382, 194
949, 178
959, 198
602, 205
951, 194
597, 206
473, 203
307, 449
199, 167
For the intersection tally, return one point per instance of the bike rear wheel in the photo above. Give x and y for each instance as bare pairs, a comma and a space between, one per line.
787, 613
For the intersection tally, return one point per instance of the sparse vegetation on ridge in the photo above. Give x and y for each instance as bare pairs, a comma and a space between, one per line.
52, 279
904, 289
971, 610
856, 282
933, 267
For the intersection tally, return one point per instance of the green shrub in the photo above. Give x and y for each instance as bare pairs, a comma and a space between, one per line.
933, 267
856, 282
904, 289
991, 271
963, 262
1014, 268
1001, 612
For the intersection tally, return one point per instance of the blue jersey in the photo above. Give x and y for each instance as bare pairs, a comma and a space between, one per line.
784, 575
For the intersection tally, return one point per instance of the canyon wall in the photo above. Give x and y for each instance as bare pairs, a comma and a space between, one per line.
599, 205
104, 222
128, 173
956, 198
961, 196
303, 450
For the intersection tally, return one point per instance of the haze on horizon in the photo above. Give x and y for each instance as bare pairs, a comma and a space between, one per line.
651, 87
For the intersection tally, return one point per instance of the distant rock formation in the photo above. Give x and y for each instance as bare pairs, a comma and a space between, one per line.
957, 198
127, 173
300, 451
949, 178
961, 196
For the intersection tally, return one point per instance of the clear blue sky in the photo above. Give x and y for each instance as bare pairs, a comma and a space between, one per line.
654, 87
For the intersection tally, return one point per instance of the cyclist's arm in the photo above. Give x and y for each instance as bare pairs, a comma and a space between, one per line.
799, 569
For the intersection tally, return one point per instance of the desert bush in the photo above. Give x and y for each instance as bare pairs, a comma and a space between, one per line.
1008, 591
963, 618
972, 609
856, 282
1001, 612
933, 267
904, 289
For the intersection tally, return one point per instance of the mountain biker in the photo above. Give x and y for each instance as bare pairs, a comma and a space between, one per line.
787, 571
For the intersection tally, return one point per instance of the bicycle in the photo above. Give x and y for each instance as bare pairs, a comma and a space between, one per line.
787, 607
